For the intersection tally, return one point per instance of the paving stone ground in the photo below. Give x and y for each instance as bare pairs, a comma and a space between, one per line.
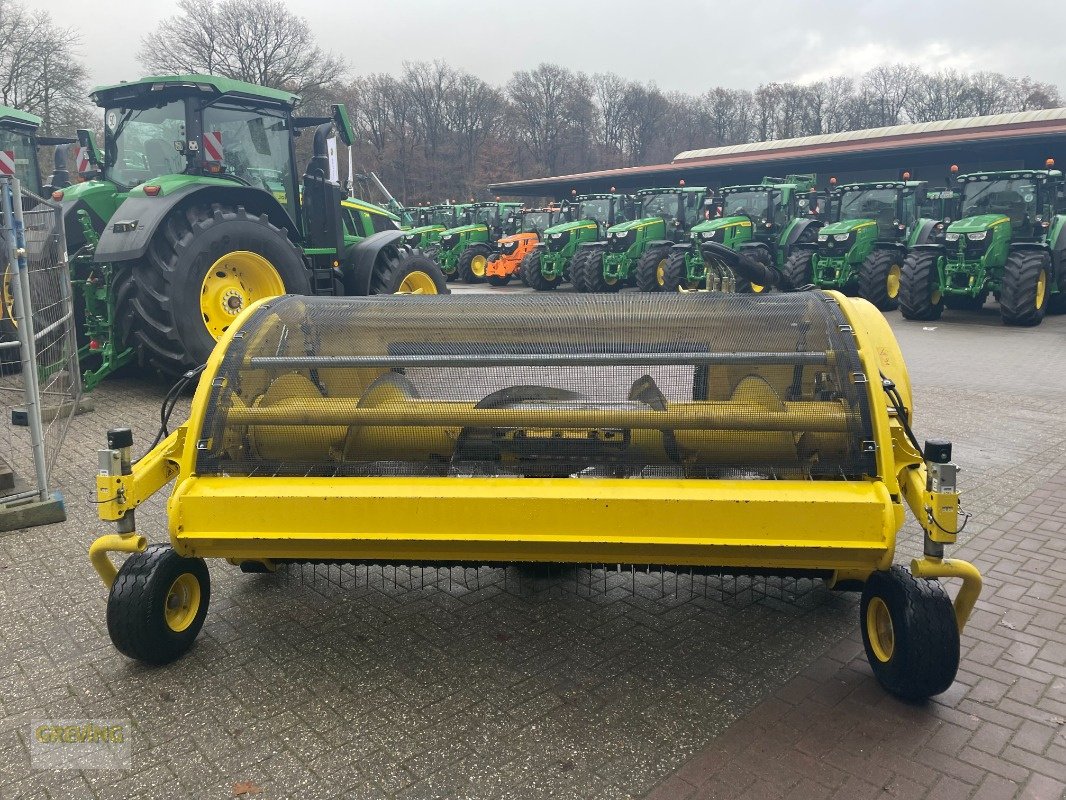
386, 683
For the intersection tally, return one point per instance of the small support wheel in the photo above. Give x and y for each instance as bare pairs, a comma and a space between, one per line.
157, 604
910, 633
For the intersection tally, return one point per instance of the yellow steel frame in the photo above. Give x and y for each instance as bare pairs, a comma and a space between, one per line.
847, 527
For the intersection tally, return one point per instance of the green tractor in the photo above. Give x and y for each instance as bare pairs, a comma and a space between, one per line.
465, 249
1010, 242
862, 248
587, 220
766, 221
636, 250
198, 211
430, 222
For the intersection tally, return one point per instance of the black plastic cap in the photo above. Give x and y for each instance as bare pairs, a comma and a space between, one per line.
117, 438
938, 451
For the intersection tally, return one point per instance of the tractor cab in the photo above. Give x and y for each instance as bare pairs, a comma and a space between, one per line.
21, 142
18, 146
536, 220
760, 212
430, 222
1028, 199
884, 210
679, 209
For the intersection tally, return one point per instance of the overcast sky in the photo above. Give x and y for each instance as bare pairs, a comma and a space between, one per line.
674, 44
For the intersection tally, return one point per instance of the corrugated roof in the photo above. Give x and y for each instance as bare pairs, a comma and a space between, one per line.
916, 129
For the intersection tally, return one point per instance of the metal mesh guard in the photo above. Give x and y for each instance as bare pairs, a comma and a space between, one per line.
630, 385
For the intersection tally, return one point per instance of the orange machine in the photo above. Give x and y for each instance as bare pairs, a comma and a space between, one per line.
510, 250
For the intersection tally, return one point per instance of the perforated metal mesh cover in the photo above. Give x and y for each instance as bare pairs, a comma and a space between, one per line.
634, 385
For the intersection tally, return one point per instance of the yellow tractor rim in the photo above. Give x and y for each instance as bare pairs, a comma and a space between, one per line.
879, 630
478, 265
758, 288
417, 282
1041, 288
232, 284
7, 297
892, 284
660, 273
936, 297
182, 603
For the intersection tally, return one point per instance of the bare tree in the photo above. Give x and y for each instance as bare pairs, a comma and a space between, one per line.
258, 41
550, 104
887, 89
39, 71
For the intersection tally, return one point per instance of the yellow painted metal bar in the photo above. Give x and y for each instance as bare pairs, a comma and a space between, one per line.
711, 415
929, 567
113, 543
798, 524
118, 494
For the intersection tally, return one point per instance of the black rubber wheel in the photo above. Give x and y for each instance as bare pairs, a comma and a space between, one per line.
592, 269
797, 270
472, 263
879, 279
400, 272
158, 297
1026, 286
534, 277
762, 255
675, 272
651, 269
910, 634
920, 297
157, 604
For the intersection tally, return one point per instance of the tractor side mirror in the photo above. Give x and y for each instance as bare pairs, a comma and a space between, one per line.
85, 140
343, 124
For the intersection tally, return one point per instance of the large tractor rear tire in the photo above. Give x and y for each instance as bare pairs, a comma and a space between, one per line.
651, 269
473, 263
534, 277
202, 268
797, 269
406, 273
595, 280
909, 633
879, 279
920, 297
1026, 287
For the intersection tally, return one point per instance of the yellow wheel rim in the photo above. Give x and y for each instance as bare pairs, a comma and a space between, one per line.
660, 273
7, 297
417, 282
478, 265
182, 603
892, 284
936, 297
1041, 289
232, 284
879, 630
758, 288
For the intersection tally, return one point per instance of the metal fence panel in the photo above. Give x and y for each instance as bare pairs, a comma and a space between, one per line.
40, 382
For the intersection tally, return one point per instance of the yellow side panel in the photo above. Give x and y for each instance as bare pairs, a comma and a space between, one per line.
798, 524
